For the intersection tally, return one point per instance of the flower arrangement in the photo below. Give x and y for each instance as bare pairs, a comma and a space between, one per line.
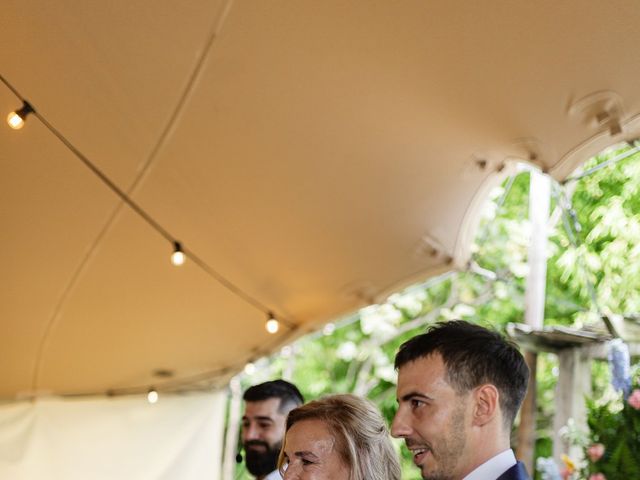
569, 468
613, 448
612, 445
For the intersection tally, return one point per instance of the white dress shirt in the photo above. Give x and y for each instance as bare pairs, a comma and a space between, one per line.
275, 475
494, 467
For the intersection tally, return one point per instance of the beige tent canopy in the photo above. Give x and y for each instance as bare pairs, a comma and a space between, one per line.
310, 156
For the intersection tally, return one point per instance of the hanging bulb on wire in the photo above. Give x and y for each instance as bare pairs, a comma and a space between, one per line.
328, 329
177, 257
272, 325
16, 119
152, 396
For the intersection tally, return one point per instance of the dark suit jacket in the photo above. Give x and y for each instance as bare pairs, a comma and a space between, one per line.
517, 472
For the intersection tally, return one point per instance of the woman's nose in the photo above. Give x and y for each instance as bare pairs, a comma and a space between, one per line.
290, 473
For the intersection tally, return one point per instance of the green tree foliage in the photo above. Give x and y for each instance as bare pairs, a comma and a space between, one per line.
595, 267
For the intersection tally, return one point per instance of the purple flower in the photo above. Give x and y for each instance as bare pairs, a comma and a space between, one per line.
619, 364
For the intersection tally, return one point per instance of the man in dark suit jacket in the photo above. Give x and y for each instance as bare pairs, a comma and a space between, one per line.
459, 389
517, 472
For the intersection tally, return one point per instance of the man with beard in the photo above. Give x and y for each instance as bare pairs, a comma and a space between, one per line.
459, 389
263, 425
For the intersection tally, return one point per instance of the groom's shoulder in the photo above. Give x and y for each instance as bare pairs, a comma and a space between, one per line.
517, 472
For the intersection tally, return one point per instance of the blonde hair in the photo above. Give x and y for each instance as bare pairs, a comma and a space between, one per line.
362, 437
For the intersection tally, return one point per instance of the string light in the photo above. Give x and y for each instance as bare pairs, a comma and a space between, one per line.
272, 324
177, 257
152, 396
16, 119
328, 329
249, 368
286, 351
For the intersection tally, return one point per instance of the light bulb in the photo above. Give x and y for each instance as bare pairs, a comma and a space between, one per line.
152, 396
328, 329
15, 121
286, 351
272, 325
177, 257
249, 368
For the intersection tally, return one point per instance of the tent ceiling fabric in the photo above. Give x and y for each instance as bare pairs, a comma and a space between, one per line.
311, 152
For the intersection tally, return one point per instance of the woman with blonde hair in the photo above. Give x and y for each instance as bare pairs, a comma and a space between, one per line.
340, 437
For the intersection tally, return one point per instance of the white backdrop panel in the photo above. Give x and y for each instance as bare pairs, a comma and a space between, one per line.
180, 437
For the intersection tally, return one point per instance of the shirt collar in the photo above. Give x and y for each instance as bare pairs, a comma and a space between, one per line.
494, 467
275, 475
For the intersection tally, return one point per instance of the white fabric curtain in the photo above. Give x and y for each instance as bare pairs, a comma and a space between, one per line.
177, 438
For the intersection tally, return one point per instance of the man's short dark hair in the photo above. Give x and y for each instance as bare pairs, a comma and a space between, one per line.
473, 356
289, 395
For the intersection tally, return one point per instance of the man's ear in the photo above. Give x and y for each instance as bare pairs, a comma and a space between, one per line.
486, 405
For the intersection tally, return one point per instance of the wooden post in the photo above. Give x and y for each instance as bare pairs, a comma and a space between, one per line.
539, 195
574, 383
233, 427
289, 364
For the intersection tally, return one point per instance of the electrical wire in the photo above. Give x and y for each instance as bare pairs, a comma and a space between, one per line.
600, 166
125, 198
572, 227
141, 212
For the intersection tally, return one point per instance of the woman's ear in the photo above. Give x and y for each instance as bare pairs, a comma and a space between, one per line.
487, 404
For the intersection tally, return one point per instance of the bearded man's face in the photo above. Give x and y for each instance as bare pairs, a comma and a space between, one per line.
263, 428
